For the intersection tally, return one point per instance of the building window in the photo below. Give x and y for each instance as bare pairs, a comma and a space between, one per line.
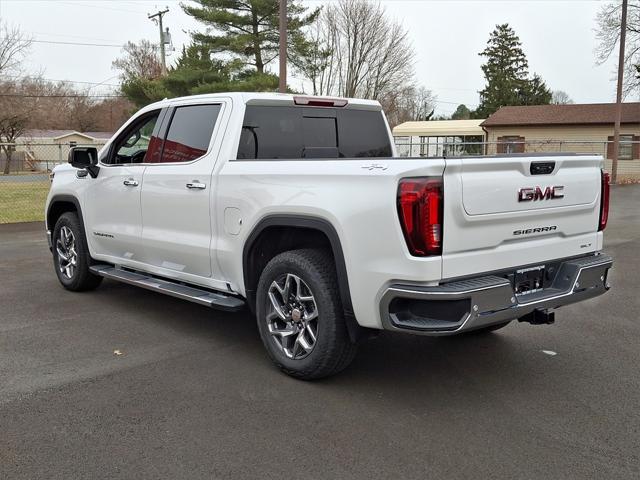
625, 149
510, 144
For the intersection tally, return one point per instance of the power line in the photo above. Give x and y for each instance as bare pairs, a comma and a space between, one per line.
55, 42
46, 34
28, 77
455, 103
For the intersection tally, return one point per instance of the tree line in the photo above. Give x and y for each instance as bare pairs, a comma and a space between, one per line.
349, 48
346, 48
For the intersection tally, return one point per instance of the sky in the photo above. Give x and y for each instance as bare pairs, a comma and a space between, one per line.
557, 35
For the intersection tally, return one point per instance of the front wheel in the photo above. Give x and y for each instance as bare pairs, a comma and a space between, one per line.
300, 315
71, 255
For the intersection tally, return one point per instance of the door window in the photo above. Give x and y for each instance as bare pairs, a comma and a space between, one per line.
138, 142
189, 133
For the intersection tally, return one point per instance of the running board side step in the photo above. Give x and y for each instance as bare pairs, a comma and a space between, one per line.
197, 295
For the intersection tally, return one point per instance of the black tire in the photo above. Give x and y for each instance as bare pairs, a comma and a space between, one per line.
489, 329
79, 278
333, 350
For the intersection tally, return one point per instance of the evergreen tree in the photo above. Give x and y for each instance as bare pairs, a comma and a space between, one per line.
535, 92
248, 29
197, 72
461, 113
507, 75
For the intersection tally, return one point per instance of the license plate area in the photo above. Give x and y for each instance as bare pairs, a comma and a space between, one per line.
527, 281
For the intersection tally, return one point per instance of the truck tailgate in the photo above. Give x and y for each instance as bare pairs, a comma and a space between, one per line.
502, 212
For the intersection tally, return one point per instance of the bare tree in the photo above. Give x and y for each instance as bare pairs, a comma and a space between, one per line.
361, 52
14, 45
81, 112
408, 104
14, 112
560, 97
314, 62
139, 60
608, 36
14, 119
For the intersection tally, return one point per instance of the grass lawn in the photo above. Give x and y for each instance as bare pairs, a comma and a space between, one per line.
22, 201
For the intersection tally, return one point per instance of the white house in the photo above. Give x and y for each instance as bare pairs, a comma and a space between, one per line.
42, 149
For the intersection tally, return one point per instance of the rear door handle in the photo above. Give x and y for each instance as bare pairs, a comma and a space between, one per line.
196, 185
130, 182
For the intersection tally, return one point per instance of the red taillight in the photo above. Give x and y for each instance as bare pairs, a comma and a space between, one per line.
420, 210
604, 201
320, 101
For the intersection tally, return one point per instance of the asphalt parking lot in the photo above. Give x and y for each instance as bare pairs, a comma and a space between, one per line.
193, 395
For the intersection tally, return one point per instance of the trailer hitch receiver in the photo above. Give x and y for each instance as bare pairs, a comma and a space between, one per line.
539, 317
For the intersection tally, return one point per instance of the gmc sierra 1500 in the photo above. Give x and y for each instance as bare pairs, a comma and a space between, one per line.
297, 208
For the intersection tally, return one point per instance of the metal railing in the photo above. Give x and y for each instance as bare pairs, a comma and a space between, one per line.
414, 147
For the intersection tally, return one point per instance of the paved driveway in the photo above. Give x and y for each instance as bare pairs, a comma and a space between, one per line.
193, 395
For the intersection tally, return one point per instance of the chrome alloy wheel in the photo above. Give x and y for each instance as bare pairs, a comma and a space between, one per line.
67, 254
292, 316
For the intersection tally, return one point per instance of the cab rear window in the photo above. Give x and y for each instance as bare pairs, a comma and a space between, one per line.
307, 132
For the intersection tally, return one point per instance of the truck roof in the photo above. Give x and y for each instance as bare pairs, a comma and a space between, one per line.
267, 98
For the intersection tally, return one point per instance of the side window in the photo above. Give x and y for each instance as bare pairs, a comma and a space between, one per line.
189, 133
137, 143
271, 132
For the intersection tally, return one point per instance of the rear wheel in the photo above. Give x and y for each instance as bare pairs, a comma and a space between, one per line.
71, 255
300, 315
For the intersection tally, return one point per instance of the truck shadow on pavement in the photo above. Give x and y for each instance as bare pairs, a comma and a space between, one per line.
390, 359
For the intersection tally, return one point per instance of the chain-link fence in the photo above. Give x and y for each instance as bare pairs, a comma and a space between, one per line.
24, 178
24, 189
437, 147
451, 147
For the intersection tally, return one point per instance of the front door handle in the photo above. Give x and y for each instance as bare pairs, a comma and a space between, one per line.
130, 182
196, 185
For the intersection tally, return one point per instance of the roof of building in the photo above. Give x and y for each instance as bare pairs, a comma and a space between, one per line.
439, 128
574, 114
55, 134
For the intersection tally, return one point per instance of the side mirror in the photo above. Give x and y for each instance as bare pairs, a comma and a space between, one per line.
85, 158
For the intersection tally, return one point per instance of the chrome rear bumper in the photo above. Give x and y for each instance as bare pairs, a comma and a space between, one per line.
470, 304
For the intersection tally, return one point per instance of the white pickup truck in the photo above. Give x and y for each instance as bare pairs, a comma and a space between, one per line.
298, 208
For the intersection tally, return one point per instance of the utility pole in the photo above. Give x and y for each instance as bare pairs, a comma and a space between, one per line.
283, 47
616, 127
158, 15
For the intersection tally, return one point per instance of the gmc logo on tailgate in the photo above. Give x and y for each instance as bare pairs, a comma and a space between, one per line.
531, 194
